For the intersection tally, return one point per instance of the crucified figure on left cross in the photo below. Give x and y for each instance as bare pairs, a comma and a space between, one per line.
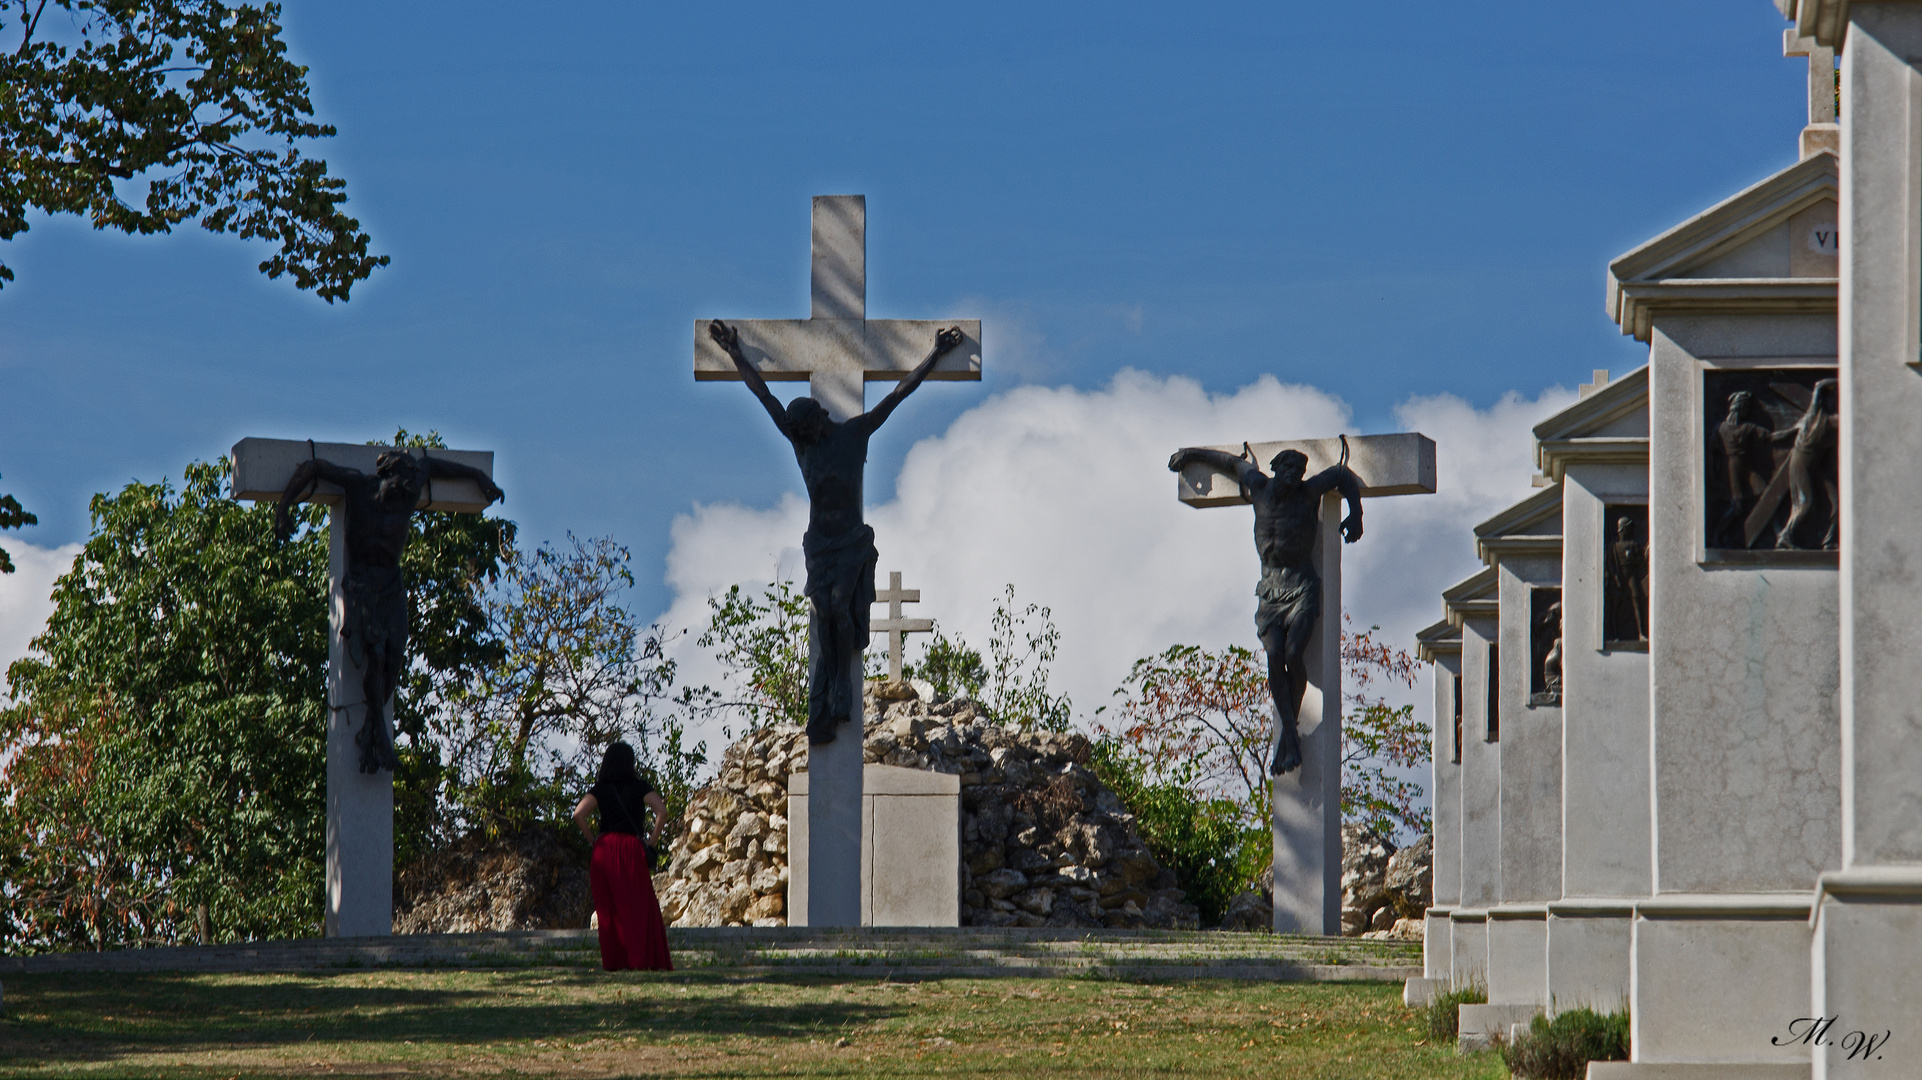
379, 509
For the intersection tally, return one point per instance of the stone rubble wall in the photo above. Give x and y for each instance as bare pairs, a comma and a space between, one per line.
1384, 892
1043, 842
523, 881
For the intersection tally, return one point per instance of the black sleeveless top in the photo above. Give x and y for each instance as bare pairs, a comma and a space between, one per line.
623, 807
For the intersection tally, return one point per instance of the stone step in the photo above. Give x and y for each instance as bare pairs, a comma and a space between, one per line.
961, 952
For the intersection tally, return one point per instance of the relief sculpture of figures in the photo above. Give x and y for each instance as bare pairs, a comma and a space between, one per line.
1773, 483
1627, 584
1811, 463
1287, 520
374, 631
838, 545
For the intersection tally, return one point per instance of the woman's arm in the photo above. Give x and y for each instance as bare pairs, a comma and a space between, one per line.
658, 807
586, 806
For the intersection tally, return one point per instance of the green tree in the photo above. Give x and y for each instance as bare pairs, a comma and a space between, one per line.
575, 672
948, 665
167, 738
197, 98
12, 516
762, 642
1020, 660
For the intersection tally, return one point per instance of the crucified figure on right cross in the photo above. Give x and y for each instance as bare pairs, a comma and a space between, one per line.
1287, 519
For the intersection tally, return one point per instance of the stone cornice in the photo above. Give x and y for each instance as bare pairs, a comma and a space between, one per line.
1641, 302
1440, 639
1827, 21
1554, 456
1726, 905
1494, 549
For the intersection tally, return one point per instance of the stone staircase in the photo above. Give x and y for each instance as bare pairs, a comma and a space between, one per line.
878, 952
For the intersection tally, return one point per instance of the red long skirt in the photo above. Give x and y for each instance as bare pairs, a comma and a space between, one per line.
632, 933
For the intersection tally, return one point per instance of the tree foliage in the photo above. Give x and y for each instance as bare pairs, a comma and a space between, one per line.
1204, 719
168, 733
762, 642
195, 97
1022, 643
573, 673
1206, 842
12, 516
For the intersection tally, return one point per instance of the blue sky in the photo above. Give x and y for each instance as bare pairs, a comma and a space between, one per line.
1413, 202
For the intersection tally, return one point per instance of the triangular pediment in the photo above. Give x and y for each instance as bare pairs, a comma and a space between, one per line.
1538, 515
1614, 411
1773, 247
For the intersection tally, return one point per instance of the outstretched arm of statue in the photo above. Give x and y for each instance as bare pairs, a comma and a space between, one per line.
1242, 469
945, 342
729, 339
301, 485
1343, 479
439, 469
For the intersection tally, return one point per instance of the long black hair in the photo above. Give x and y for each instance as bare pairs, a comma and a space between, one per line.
617, 766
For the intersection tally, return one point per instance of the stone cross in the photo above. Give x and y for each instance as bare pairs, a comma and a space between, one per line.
360, 806
894, 625
1307, 801
837, 350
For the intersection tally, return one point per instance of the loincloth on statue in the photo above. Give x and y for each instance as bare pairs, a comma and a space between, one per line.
841, 574
1286, 594
376, 610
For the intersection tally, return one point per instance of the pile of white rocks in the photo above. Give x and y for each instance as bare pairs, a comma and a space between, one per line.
1043, 842
1384, 891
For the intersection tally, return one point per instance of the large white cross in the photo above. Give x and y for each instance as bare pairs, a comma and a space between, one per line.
838, 350
895, 626
1307, 801
360, 806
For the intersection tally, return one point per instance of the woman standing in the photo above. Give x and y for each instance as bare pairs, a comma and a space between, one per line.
632, 933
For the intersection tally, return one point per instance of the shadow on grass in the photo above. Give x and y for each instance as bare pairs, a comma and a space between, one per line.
78, 1018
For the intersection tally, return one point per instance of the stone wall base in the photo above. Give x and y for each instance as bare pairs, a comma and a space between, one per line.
1716, 977
1588, 957
1867, 965
1518, 956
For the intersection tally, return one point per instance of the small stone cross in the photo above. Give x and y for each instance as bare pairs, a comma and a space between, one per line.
894, 625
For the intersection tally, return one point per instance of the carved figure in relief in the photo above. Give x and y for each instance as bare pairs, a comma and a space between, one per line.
838, 545
1746, 456
1628, 576
1814, 442
1287, 519
1552, 663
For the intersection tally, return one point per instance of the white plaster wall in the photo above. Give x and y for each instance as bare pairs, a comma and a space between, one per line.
1447, 784
1481, 838
1605, 803
1437, 959
1881, 409
1744, 663
1531, 748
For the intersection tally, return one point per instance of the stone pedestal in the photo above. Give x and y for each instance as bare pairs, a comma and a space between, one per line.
1468, 947
1518, 955
1307, 802
1590, 943
827, 889
360, 806
1716, 978
910, 848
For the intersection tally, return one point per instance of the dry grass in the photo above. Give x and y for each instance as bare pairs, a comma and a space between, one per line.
552, 1022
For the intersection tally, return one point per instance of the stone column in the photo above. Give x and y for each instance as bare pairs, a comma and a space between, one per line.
1531, 783
360, 806
1481, 856
1307, 802
1605, 806
1867, 952
1446, 789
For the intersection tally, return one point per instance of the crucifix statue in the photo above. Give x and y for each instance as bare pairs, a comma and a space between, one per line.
1299, 531
374, 491
837, 350
896, 626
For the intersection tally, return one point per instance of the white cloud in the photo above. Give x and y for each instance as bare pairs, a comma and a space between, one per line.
26, 596
1066, 494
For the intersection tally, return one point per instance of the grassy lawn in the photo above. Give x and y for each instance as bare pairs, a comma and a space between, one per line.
554, 1022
